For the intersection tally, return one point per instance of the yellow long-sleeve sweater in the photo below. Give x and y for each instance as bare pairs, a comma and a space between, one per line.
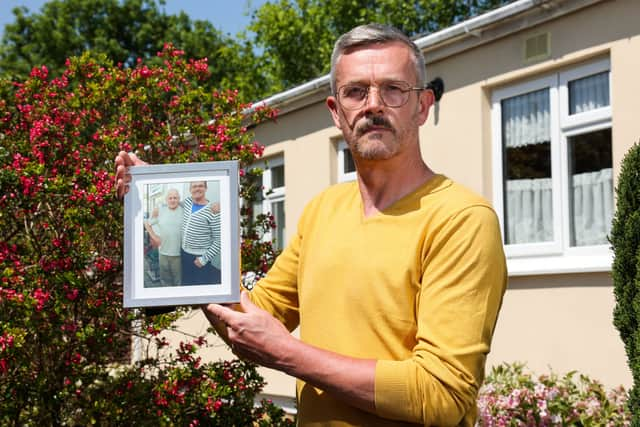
417, 287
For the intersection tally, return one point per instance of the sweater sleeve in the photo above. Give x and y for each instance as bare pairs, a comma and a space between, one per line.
277, 292
463, 281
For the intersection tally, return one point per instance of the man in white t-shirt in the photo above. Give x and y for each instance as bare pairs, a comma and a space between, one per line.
165, 230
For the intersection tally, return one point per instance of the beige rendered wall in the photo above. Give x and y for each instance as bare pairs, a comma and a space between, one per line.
625, 57
305, 139
563, 322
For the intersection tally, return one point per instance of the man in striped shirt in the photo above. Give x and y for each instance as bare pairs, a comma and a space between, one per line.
200, 253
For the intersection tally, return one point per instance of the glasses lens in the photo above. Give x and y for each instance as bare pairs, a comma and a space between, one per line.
394, 94
352, 96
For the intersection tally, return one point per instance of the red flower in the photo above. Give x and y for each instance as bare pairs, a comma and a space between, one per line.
72, 295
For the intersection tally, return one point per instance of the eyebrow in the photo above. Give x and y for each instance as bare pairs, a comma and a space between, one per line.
376, 83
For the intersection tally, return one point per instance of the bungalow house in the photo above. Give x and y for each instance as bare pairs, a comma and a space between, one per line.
541, 104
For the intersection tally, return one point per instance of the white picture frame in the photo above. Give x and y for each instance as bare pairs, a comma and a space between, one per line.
207, 233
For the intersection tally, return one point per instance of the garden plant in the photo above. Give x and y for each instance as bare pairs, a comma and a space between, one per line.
65, 339
513, 396
625, 242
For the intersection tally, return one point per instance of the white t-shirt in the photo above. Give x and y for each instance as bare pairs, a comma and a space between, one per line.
168, 226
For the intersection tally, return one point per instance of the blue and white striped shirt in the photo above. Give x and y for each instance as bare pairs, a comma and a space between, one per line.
201, 233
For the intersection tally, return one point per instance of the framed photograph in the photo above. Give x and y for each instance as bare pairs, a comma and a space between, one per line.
182, 235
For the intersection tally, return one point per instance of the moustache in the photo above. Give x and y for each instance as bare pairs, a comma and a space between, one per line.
372, 121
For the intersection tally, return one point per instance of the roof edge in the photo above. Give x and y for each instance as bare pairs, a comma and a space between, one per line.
468, 28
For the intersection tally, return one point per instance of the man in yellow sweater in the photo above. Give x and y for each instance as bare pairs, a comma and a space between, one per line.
395, 280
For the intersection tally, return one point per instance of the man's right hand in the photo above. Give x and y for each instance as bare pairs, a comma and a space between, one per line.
123, 161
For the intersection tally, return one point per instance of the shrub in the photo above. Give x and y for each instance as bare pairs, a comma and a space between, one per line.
625, 242
63, 332
512, 396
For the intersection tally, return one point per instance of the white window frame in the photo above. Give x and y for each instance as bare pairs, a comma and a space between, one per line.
342, 176
556, 256
271, 195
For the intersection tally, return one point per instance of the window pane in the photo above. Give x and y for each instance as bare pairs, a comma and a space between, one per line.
590, 187
349, 165
527, 168
277, 176
256, 209
257, 182
278, 216
589, 93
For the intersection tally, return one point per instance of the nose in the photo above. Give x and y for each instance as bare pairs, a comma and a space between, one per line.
374, 99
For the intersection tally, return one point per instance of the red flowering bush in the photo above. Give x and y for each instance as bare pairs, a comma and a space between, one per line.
64, 337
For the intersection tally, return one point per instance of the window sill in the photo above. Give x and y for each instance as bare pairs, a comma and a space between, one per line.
540, 265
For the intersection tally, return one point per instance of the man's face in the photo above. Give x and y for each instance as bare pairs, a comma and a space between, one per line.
198, 190
376, 131
173, 199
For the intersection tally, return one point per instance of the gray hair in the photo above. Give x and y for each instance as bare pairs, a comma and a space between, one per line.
173, 190
369, 34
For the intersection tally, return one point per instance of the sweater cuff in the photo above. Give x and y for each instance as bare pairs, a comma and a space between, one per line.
391, 391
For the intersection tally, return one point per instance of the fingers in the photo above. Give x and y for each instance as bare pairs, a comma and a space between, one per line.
120, 158
122, 176
213, 319
122, 181
230, 314
122, 161
219, 313
128, 159
218, 325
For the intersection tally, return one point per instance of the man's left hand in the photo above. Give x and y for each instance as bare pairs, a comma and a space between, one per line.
252, 333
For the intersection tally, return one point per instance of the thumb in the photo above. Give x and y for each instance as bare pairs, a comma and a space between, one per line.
134, 159
245, 302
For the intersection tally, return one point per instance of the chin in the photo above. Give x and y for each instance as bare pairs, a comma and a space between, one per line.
376, 150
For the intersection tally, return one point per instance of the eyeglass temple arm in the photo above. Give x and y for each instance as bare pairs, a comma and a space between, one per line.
437, 86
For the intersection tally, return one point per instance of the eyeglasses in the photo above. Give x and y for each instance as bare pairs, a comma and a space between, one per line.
354, 96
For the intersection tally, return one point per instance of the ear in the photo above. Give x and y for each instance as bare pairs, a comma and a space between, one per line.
425, 101
332, 105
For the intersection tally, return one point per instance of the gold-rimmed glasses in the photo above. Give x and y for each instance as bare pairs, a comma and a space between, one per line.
394, 94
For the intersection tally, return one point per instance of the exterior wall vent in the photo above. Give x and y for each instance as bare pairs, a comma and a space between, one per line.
537, 47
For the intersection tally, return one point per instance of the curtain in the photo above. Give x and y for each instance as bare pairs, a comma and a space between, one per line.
589, 93
592, 207
529, 209
525, 119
